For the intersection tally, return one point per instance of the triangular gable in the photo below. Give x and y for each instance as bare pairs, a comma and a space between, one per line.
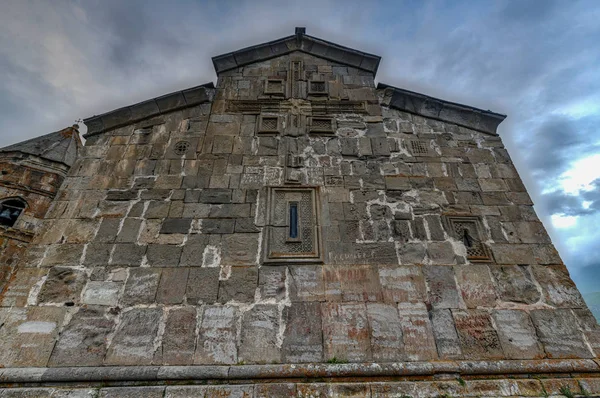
298, 42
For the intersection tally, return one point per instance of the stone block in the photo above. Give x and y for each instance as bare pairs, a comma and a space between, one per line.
216, 196
202, 285
517, 334
217, 226
240, 249
132, 392
396, 183
63, 285
17, 291
28, 335
108, 230
441, 253
102, 293
417, 333
194, 251
514, 283
558, 288
272, 282
346, 332
176, 226
179, 337
402, 283
306, 283
141, 287
259, 335
170, 288
442, 290
558, 331
241, 285
83, 341
478, 338
133, 342
274, 390
97, 254
513, 253
217, 336
303, 339
444, 331
411, 253
130, 230
127, 254
476, 285
159, 255
386, 332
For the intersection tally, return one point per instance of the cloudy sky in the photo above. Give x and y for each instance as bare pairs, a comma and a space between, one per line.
538, 61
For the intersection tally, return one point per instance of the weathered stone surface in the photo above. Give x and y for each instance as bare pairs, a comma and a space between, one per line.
514, 283
240, 249
133, 343
102, 293
132, 392
303, 339
272, 282
558, 332
241, 285
259, 335
274, 390
217, 336
517, 334
62, 285
386, 332
179, 337
476, 285
444, 331
346, 332
419, 344
17, 292
163, 255
83, 341
559, 290
176, 226
478, 338
441, 286
402, 283
171, 286
202, 285
27, 336
306, 282
141, 286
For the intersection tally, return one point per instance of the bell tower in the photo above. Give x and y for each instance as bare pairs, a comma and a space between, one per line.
31, 172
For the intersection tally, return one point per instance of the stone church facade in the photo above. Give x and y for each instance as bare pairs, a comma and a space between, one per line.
294, 231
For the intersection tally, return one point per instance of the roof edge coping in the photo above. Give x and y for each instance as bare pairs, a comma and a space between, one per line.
467, 116
156, 106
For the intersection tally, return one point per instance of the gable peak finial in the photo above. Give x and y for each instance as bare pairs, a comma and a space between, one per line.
300, 30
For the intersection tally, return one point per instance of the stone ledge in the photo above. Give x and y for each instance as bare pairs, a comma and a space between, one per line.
446, 111
143, 110
294, 371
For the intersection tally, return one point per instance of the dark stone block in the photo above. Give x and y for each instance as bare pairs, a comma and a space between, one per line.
202, 285
240, 286
176, 226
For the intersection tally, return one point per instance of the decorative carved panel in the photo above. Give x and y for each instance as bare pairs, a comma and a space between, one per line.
322, 125
469, 231
268, 124
316, 87
293, 231
275, 87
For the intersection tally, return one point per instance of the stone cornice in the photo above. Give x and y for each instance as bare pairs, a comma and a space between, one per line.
364, 371
153, 107
298, 42
446, 111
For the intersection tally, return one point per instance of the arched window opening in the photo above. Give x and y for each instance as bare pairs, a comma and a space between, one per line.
10, 210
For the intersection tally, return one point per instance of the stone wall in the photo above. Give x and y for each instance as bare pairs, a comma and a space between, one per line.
37, 187
427, 248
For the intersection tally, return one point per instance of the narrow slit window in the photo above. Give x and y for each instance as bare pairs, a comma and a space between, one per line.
293, 233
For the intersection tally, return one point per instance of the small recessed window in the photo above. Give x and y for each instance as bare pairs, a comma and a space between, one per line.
274, 87
293, 232
10, 210
316, 87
